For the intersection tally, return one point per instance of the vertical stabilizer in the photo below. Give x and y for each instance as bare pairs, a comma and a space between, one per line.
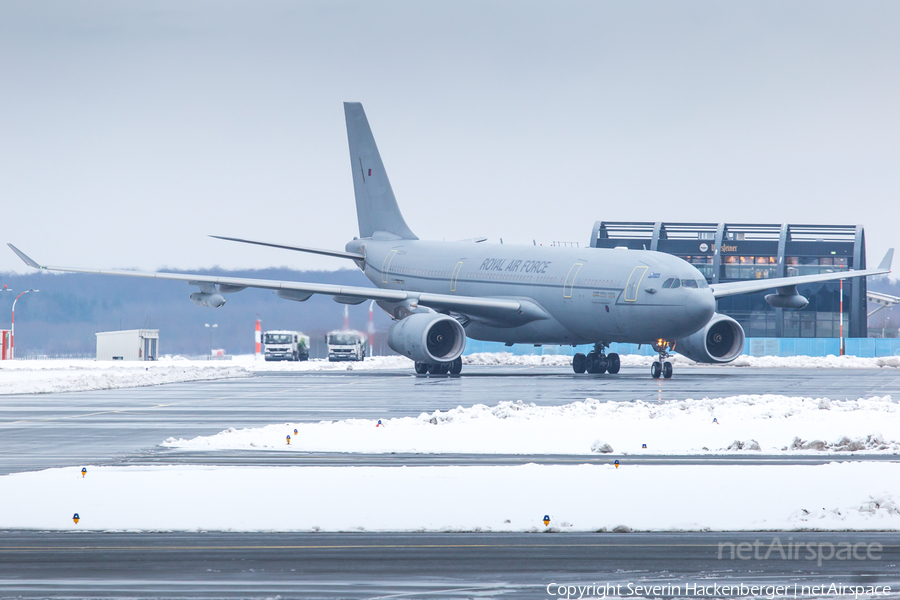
376, 207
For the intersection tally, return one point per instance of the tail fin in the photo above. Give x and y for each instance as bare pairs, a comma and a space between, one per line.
376, 207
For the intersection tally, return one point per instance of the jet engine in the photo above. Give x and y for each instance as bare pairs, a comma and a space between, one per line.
206, 299
428, 338
720, 341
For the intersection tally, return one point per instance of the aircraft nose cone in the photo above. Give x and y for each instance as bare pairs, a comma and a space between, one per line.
702, 308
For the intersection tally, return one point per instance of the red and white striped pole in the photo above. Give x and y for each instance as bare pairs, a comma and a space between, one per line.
371, 329
258, 336
842, 317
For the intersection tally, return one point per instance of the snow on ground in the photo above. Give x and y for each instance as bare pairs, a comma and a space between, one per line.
774, 423
47, 376
44, 376
394, 362
816, 362
836, 496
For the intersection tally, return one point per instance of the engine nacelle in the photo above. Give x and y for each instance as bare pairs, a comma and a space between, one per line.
428, 337
720, 341
210, 300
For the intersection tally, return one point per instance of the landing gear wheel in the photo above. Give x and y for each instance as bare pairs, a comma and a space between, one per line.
590, 363
445, 368
456, 366
601, 363
579, 363
434, 368
421, 368
662, 364
667, 370
614, 363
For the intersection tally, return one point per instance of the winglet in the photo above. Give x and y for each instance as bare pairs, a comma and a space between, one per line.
30, 261
886, 261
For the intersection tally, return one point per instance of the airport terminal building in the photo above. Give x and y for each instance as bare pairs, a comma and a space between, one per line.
735, 252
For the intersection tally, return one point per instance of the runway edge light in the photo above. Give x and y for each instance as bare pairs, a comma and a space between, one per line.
546, 519
643, 445
289, 439
83, 472
76, 518
616, 463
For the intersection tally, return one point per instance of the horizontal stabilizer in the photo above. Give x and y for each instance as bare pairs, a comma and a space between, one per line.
335, 253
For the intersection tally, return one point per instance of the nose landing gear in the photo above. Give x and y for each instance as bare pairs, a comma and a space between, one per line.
662, 366
596, 361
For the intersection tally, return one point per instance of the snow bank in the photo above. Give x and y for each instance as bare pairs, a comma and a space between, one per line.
767, 423
874, 508
47, 376
817, 362
576, 497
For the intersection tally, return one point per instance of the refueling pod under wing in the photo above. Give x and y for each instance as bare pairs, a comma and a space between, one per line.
207, 299
720, 341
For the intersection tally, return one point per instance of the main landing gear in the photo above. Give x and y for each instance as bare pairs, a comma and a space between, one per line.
662, 366
453, 367
596, 361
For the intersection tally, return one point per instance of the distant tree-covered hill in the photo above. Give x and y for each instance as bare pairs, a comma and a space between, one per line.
62, 318
70, 308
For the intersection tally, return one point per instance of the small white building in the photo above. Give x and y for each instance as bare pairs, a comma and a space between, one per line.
132, 344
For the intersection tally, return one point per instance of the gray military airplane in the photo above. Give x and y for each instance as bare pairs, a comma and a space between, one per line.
439, 293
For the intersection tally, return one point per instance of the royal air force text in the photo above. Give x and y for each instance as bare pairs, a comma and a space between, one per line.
515, 266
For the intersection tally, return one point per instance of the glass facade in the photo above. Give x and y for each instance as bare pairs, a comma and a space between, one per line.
724, 252
749, 267
820, 318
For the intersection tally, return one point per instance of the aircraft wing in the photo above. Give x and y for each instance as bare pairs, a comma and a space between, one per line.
720, 290
501, 310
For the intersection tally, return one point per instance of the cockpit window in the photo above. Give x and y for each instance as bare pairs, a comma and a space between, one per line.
689, 283
704, 283
668, 282
676, 283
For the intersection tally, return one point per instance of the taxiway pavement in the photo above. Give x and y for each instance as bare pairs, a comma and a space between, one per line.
122, 425
448, 565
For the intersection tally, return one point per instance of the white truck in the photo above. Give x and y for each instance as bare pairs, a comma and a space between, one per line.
346, 345
285, 345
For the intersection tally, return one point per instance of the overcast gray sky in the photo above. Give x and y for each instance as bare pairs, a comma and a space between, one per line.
130, 130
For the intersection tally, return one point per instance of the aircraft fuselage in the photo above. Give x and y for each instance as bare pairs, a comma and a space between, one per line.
588, 294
